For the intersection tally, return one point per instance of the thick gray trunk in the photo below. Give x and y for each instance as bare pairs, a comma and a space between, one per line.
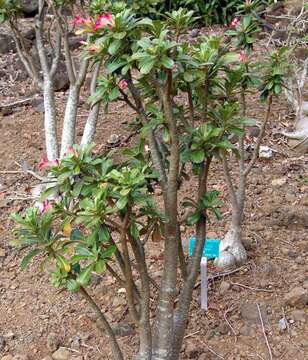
69, 123
50, 119
90, 127
232, 251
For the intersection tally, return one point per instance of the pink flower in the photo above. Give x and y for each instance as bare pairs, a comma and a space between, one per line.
242, 56
54, 163
72, 151
92, 48
46, 206
123, 84
79, 20
235, 22
82, 42
174, 67
104, 21
44, 162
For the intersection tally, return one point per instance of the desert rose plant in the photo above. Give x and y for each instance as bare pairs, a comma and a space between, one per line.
232, 251
186, 99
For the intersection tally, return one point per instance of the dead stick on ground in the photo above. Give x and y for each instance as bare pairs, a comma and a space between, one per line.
251, 288
264, 334
23, 172
211, 350
18, 102
227, 321
218, 275
192, 334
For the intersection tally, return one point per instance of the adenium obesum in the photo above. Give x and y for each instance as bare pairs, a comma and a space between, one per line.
103, 21
123, 84
44, 162
93, 25
235, 22
45, 206
242, 56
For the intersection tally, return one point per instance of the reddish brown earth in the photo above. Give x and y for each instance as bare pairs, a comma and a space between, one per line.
276, 222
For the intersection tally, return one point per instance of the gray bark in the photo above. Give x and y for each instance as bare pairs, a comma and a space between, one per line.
69, 123
90, 127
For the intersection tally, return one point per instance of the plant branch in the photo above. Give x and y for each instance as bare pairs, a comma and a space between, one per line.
261, 134
106, 328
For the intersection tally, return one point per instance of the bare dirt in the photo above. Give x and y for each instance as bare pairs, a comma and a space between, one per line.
35, 319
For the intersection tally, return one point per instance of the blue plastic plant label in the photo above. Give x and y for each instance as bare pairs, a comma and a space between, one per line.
210, 250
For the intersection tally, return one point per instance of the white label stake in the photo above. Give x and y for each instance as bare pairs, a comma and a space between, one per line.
204, 302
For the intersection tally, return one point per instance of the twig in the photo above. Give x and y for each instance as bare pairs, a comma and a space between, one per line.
23, 172
264, 333
211, 350
192, 334
227, 321
218, 275
70, 349
251, 288
18, 102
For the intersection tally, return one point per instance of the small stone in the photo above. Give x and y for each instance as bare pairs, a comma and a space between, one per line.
53, 342
297, 297
224, 287
279, 182
194, 33
47, 358
2, 343
299, 315
246, 330
2, 252
282, 324
61, 354
9, 336
113, 139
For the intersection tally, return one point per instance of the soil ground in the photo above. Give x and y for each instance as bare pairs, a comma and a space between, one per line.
35, 319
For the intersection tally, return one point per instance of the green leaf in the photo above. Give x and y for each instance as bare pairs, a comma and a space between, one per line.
114, 94
29, 257
63, 264
72, 285
107, 253
167, 62
82, 250
146, 66
100, 266
122, 202
197, 156
114, 47
120, 35
115, 65
193, 218
76, 235
103, 234
84, 277
134, 230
